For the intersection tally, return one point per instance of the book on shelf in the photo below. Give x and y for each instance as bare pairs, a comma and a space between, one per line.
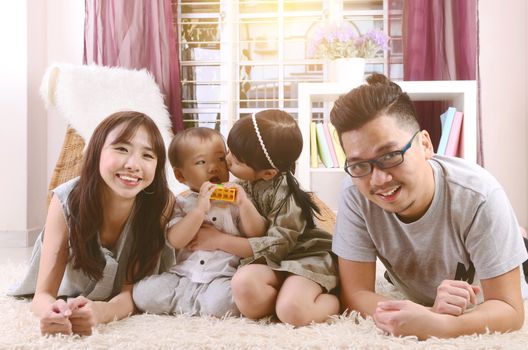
453, 142
337, 145
314, 161
322, 146
330, 144
447, 120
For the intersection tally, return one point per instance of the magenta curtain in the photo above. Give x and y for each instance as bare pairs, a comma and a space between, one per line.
439, 43
136, 34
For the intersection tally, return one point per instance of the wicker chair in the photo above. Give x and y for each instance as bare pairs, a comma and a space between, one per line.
69, 163
69, 166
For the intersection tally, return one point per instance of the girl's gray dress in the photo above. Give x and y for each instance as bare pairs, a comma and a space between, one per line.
288, 244
75, 282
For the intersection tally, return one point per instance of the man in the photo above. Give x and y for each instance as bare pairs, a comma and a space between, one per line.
440, 225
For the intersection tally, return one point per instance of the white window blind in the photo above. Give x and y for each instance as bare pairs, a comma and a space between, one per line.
240, 56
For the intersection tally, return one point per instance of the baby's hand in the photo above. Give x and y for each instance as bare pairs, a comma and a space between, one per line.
204, 196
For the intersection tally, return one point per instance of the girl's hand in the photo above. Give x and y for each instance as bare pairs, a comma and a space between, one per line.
241, 197
83, 316
205, 239
251, 224
204, 196
56, 319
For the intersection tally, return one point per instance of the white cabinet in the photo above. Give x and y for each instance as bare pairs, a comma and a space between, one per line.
326, 182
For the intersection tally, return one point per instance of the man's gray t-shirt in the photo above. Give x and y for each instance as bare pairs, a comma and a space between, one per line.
468, 233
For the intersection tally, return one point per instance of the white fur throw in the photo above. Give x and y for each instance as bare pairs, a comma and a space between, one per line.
85, 95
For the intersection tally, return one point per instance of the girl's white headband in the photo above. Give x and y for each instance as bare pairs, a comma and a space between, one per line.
257, 131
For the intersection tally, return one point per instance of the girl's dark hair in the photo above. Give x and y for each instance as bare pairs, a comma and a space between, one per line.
283, 141
380, 97
147, 225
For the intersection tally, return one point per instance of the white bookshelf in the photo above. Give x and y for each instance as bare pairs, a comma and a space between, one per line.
326, 182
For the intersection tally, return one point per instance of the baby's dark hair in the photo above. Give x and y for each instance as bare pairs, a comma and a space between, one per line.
379, 97
182, 140
283, 141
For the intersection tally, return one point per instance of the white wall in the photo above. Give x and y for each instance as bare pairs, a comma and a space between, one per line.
23, 131
504, 76
13, 117
36, 116
33, 34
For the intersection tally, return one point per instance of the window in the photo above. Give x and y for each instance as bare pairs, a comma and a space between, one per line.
240, 56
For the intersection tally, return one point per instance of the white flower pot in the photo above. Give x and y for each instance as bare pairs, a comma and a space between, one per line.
347, 70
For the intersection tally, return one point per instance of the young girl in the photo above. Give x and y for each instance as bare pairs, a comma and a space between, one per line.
291, 270
104, 229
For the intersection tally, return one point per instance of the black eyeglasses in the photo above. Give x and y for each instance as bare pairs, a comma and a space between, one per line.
385, 161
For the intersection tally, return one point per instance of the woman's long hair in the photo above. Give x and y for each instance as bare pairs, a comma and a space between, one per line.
147, 217
283, 141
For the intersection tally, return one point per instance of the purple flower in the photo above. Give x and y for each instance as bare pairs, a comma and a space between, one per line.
377, 37
337, 40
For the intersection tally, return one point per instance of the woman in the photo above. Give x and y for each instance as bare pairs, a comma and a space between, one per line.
104, 230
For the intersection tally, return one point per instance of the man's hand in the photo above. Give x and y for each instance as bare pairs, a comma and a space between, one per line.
454, 297
83, 316
56, 319
403, 317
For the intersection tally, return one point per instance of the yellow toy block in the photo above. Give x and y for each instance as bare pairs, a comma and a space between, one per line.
224, 194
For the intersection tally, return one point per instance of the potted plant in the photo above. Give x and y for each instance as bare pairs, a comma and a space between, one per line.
344, 47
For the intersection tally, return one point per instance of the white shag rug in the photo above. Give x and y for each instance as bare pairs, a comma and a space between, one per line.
20, 330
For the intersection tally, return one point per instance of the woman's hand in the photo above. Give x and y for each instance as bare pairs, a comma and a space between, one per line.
56, 320
83, 316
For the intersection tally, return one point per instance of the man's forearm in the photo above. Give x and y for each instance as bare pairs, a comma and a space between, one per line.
492, 315
502, 310
403, 317
362, 301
